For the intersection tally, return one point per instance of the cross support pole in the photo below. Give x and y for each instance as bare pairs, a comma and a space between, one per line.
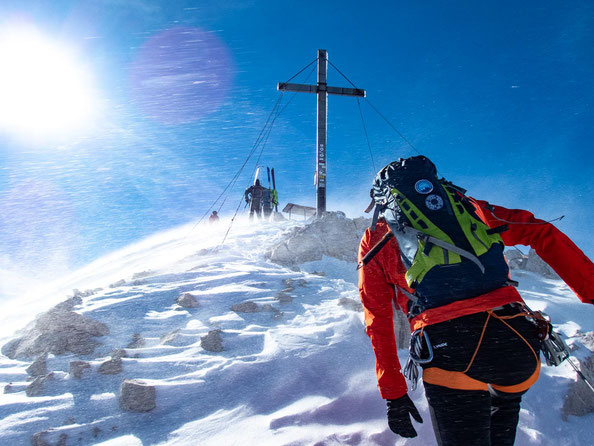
322, 90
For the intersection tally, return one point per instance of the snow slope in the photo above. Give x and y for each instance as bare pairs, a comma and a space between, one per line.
301, 374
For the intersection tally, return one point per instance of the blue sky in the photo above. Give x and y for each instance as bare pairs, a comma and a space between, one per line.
498, 93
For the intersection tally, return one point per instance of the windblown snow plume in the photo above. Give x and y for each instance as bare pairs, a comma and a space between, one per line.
180, 341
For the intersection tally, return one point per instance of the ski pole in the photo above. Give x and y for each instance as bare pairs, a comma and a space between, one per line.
580, 374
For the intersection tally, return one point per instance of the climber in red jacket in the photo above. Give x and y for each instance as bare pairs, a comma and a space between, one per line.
438, 255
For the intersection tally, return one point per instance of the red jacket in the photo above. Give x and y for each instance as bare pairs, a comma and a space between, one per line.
378, 278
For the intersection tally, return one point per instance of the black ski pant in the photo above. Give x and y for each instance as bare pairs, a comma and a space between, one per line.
472, 417
488, 350
255, 206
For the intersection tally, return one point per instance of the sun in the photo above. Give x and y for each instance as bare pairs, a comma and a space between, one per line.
44, 90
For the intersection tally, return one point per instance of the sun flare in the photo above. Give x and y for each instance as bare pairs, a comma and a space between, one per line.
44, 90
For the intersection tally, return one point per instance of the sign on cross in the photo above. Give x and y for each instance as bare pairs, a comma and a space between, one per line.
322, 90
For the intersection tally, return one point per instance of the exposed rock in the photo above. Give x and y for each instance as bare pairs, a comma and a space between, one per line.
39, 439
118, 283
81, 343
587, 339
36, 387
70, 303
39, 366
10, 348
8, 388
212, 342
137, 341
111, 367
333, 235
289, 285
253, 307
57, 331
537, 265
350, 304
119, 353
42, 439
142, 274
515, 258
579, 400
283, 297
246, 307
86, 293
187, 300
137, 396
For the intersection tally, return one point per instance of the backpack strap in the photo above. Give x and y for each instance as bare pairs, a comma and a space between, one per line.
414, 299
448, 246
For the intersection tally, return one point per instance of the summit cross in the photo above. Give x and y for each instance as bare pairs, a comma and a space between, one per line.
322, 90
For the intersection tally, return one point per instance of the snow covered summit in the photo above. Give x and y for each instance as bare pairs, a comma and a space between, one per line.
189, 342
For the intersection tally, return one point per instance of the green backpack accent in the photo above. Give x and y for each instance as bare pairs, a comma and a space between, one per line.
478, 235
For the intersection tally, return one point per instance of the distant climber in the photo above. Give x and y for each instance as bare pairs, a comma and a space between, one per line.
437, 254
253, 196
214, 218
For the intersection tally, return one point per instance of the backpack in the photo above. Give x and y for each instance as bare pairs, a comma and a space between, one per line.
257, 192
457, 255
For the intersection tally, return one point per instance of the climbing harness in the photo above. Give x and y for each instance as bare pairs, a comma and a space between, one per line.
552, 346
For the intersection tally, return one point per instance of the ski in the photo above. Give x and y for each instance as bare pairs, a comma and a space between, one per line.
257, 174
274, 191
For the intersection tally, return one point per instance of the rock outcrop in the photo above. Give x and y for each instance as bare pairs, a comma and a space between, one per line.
187, 300
137, 341
77, 368
333, 235
137, 396
37, 385
579, 400
58, 331
111, 367
531, 262
39, 366
212, 342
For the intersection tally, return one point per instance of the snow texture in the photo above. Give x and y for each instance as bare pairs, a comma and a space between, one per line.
288, 361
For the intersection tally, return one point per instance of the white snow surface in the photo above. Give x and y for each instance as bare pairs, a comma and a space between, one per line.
304, 378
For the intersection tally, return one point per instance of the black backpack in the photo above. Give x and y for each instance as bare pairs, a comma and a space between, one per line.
458, 256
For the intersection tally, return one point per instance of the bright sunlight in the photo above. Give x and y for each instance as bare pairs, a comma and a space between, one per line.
44, 90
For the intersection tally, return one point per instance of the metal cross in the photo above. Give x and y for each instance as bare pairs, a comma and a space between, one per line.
322, 90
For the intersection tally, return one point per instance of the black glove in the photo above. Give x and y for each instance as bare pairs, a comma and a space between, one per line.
399, 419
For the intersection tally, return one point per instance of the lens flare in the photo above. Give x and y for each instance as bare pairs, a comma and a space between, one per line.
181, 75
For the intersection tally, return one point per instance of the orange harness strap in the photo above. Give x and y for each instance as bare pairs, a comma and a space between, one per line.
461, 381
452, 380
